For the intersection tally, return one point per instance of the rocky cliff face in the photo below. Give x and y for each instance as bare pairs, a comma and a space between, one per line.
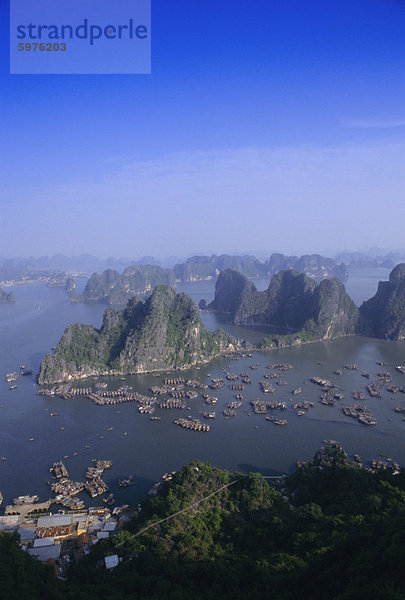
289, 300
237, 296
333, 310
383, 316
161, 333
293, 302
115, 289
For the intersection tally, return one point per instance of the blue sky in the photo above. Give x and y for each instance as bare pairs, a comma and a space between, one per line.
264, 126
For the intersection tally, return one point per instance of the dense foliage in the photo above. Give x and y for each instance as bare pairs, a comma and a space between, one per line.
333, 532
23, 577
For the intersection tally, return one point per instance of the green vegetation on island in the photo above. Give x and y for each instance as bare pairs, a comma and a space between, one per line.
24, 577
298, 310
164, 332
383, 315
114, 289
294, 306
330, 531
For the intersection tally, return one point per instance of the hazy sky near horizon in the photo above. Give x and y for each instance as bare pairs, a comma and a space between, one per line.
265, 125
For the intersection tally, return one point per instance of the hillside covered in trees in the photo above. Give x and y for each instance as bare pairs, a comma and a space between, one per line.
331, 531
161, 333
292, 304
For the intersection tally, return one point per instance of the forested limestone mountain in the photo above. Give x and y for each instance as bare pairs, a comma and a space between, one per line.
383, 315
293, 303
164, 332
114, 289
330, 530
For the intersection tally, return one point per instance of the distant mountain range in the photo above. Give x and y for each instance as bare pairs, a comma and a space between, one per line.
11, 268
193, 269
115, 289
209, 267
204, 267
362, 260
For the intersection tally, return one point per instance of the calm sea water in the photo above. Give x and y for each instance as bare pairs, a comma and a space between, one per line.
150, 448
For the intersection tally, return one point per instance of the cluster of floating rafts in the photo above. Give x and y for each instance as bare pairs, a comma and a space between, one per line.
10, 377
94, 485
210, 399
232, 376
146, 409
183, 394
193, 424
59, 470
302, 407
267, 387
321, 381
360, 413
216, 383
169, 404
261, 407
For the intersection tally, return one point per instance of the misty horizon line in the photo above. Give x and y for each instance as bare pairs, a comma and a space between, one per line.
371, 252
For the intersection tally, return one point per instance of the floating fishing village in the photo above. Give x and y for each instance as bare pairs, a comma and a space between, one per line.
78, 526
179, 392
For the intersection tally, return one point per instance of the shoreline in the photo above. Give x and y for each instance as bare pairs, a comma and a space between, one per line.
114, 373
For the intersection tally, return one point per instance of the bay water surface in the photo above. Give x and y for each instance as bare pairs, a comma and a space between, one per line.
34, 324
